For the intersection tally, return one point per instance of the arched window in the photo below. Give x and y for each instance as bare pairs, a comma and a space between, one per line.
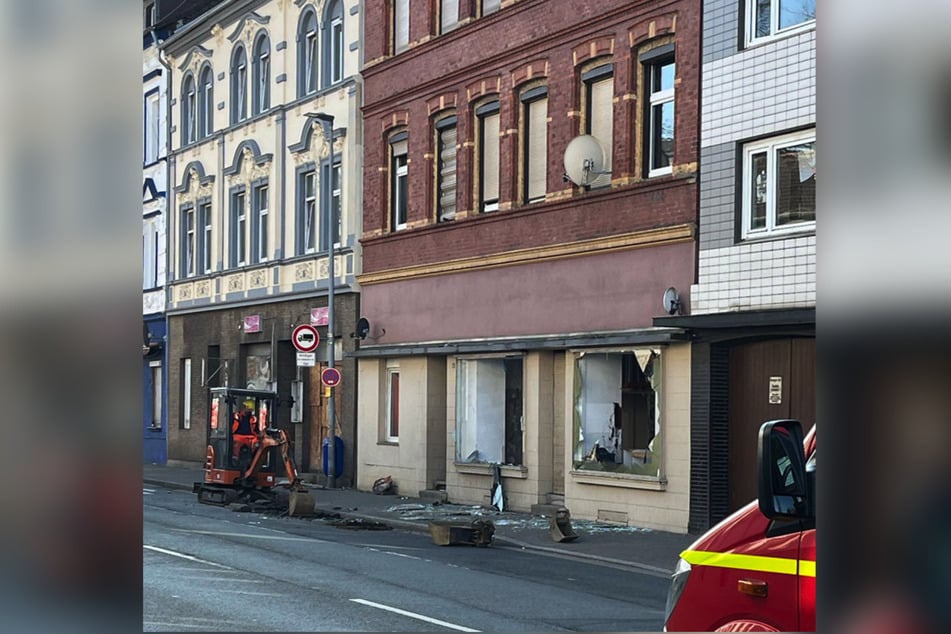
333, 43
239, 85
307, 53
206, 102
261, 86
189, 110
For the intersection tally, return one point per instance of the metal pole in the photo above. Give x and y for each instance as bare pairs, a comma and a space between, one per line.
328, 125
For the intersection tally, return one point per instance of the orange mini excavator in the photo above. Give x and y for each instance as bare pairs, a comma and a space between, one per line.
244, 451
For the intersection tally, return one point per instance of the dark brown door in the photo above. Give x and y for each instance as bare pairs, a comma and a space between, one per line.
768, 380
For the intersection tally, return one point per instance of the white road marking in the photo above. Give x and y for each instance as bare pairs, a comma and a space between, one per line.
413, 615
251, 592
184, 556
147, 491
387, 552
249, 536
179, 627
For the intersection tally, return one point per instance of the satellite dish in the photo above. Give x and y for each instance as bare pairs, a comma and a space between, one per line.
584, 160
363, 327
672, 301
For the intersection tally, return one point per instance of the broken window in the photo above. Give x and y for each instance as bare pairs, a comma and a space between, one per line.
617, 417
489, 410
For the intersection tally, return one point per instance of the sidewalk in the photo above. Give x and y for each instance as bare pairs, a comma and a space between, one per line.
653, 551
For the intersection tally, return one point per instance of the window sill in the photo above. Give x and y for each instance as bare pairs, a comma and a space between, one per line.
483, 468
388, 443
806, 229
805, 27
625, 480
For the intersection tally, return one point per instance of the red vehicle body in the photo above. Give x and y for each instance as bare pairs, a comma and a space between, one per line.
756, 570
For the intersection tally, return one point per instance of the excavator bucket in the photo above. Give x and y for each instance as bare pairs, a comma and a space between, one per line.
301, 504
560, 525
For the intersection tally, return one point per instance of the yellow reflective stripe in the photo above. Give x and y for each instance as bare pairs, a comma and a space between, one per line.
759, 563
807, 568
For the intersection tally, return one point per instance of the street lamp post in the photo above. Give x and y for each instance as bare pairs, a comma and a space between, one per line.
327, 123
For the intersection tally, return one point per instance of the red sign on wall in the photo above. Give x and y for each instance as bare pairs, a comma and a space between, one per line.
252, 323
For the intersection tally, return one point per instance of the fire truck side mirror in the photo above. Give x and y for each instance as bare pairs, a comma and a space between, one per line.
784, 491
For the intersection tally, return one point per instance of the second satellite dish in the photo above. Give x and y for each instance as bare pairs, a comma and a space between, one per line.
584, 160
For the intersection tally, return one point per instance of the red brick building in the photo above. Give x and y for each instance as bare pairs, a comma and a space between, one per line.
510, 308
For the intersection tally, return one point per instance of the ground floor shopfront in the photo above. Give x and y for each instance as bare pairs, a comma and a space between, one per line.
599, 422
250, 347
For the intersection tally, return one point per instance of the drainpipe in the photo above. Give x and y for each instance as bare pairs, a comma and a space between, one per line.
169, 172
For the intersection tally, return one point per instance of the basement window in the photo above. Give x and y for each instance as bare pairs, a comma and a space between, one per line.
489, 410
616, 415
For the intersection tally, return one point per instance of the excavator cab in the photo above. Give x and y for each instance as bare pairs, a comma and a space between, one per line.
245, 450
237, 418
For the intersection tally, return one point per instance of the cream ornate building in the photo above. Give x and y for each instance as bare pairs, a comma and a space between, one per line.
252, 186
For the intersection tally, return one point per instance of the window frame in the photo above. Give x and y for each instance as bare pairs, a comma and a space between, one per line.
770, 146
653, 355
483, 112
153, 128
186, 393
331, 177
239, 227
333, 44
601, 71
261, 75
150, 251
527, 99
307, 231
399, 181
188, 257
391, 413
488, 7
653, 62
239, 84
400, 17
441, 126
259, 222
503, 432
447, 23
189, 109
206, 102
307, 51
749, 30
204, 219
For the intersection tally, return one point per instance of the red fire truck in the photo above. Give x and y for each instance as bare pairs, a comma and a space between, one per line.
756, 570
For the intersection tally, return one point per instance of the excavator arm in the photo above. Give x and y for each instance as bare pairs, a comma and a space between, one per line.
274, 438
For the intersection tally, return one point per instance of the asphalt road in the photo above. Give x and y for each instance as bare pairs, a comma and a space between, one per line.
212, 569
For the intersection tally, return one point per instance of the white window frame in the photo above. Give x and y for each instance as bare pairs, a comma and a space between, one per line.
240, 85
262, 60
309, 224
489, 159
239, 216
206, 94
189, 219
336, 49
156, 367
150, 267
489, 437
186, 393
336, 199
659, 97
310, 62
774, 31
392, 369
152, 127
400, 165
204, 215
260, 194
770, 146
190, 106
534, 146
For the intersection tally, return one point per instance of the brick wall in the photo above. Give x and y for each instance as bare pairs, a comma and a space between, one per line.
542, 40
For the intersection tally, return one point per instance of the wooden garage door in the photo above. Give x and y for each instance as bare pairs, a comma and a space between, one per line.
768, 380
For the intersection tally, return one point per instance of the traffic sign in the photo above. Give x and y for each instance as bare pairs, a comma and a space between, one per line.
330, 377
305, 338
307, 359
